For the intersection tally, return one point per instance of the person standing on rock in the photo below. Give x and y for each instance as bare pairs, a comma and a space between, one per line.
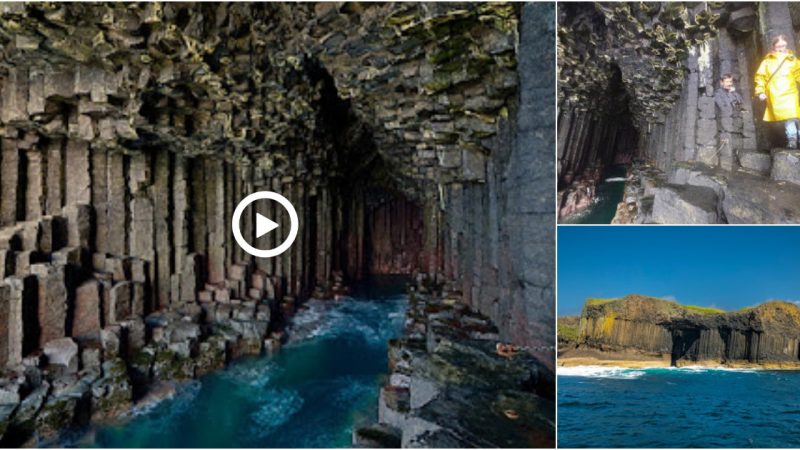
776, 84
728, 101
729, 121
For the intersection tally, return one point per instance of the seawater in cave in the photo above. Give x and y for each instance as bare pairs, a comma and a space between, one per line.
312, 394
413, 139
698, 156
607, 195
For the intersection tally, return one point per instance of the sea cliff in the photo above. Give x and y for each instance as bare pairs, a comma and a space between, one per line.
637, 330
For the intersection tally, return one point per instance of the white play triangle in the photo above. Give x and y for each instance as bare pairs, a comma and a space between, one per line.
264, 225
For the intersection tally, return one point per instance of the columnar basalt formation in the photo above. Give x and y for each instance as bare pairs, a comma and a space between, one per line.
669, 58
409, 137
451, 387
767, 335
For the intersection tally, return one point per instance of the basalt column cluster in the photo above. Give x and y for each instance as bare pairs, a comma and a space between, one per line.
693, 162
411, 138
646, 326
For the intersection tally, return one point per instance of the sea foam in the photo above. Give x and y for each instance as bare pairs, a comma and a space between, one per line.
624, 373
620, 373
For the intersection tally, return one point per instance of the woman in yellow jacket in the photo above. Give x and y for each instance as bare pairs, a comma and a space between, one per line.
776, 83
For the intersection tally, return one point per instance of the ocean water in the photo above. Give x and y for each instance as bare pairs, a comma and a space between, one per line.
671, 407
325, 380
608, 194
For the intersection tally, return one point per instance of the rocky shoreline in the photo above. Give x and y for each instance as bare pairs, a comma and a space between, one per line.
449, 386
80, 345
134, 364
695, 193
580, 193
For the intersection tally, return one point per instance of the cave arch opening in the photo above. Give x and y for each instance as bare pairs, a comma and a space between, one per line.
602, 141
620, 136
379, 207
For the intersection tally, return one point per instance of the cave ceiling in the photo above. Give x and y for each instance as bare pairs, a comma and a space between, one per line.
428, 83
648, 42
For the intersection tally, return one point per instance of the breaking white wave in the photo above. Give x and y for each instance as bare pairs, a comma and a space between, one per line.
256, 376
619, 373
704, 369
158, 414
329, 318
615, 179
624, 373
279, 406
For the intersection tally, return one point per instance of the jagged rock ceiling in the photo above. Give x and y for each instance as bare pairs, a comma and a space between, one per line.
647, 41
429, 82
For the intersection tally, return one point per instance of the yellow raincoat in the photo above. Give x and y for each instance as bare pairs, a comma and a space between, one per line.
782, 95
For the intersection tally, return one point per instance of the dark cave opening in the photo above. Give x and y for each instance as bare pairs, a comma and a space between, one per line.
601, 142
600, 135
622, 136
382, 226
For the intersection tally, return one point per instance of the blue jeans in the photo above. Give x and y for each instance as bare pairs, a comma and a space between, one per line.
791, 127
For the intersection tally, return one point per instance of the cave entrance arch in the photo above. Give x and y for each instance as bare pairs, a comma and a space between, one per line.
378, 207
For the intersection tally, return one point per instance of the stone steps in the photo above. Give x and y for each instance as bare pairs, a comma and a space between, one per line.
786, 165
745, 198
757, 163
781, 164
695, 193
684, 204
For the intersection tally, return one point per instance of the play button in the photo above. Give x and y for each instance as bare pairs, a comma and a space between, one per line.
264, 224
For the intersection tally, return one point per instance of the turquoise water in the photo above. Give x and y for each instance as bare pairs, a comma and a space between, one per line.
687, 407
325, 380
608, 194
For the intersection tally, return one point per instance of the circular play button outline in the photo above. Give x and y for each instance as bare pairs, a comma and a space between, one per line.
265, 195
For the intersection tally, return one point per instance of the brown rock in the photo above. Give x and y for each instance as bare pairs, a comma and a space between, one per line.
11, 322
88, 303
52, 296
119, 306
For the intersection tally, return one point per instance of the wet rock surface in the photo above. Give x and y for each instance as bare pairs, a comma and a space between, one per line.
756, 162
53, 392
697, 193
449, 386
684, 204
786, 165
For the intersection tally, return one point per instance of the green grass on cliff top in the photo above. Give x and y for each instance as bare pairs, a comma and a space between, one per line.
567, 331
692, 308
599, 301
769, 305
703, 309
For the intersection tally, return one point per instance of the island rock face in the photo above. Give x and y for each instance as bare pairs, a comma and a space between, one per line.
637, 85
768, 334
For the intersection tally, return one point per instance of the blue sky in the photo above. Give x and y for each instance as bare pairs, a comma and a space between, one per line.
726, 267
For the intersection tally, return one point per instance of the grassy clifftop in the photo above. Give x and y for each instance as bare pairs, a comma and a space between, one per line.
644, 306
568, 329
